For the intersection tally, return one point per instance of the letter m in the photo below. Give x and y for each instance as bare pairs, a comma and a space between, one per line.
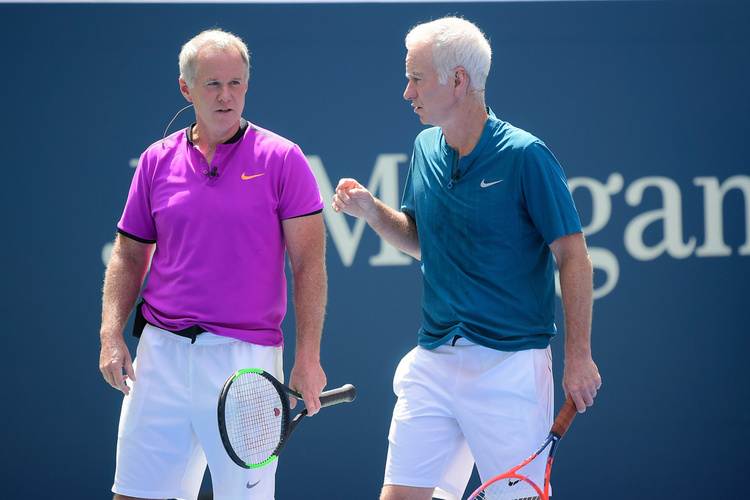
383, 183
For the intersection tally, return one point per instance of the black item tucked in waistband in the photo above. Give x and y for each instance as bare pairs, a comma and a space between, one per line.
140, 323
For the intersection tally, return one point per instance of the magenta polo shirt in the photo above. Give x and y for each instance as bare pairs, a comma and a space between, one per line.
220, 254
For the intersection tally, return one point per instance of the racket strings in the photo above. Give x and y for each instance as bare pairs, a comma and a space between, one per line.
255, 418
508, 489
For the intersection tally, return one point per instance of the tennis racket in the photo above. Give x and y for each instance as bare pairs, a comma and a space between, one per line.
514, 485
254, 415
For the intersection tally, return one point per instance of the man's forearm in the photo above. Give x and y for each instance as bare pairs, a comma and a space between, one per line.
310, 298
576, 278
123, 280
396, 228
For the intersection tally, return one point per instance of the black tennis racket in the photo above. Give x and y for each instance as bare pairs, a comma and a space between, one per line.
515, 484
254, 418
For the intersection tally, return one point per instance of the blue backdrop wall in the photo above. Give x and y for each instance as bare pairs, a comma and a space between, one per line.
644, 103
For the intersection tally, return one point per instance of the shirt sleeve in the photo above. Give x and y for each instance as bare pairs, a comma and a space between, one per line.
407, 200
137, 220
300, 194
545, 189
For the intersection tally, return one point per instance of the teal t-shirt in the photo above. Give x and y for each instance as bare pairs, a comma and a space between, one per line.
484, 225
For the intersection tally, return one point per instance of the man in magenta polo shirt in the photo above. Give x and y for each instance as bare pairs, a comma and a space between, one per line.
213, 210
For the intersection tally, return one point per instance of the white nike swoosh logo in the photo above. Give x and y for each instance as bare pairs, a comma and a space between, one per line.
488, 184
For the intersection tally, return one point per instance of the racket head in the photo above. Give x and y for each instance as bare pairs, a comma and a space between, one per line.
253, 415
509, 486
513, 485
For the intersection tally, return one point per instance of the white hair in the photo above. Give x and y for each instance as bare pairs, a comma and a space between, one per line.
216, 39
455, 42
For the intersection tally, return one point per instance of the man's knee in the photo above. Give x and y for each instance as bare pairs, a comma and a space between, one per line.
398, 492
121, 497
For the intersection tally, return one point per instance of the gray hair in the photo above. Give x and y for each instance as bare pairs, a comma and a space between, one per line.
215, 39
455, 42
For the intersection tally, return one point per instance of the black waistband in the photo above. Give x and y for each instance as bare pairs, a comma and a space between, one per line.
139, 323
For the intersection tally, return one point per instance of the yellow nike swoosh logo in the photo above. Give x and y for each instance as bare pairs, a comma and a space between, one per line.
248, 177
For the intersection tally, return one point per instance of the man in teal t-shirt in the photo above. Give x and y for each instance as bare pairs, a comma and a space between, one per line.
485, 208
485, 222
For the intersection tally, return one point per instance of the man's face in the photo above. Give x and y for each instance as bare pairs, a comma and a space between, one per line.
430, 100
218, 93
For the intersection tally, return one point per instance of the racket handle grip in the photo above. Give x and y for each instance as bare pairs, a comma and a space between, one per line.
565, 417
344, 394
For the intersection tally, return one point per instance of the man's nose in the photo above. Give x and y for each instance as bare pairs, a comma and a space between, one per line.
409, 93
224, 94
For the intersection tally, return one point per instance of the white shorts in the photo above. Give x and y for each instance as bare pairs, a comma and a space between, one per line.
168, 426
463, 404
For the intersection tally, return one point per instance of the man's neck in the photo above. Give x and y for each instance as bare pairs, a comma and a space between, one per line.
464, 132
206, 140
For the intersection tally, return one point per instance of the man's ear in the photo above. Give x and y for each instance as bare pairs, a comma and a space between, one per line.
460, 79
185, 90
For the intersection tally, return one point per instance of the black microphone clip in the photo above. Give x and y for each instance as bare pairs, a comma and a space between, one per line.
454, 177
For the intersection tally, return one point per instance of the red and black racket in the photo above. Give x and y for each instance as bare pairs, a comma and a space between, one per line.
514, 484
254, 418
